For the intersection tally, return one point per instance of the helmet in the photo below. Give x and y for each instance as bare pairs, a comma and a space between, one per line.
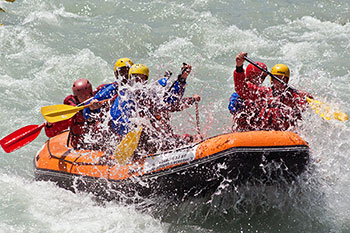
280, 69
253, 72
82, 87
139, 69
122, 62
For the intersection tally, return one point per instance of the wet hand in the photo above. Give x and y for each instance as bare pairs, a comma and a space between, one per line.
95, 104
240, 59
196, 98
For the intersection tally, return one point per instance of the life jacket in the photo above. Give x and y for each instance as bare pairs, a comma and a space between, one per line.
77, 124
274, 115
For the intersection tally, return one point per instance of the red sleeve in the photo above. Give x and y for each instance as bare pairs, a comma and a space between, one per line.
247, 90
57, 127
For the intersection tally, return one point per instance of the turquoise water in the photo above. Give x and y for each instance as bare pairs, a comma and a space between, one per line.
45, 46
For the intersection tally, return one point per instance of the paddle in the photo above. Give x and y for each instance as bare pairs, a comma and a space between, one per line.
20, 137
61, 112
320, 108
127, 146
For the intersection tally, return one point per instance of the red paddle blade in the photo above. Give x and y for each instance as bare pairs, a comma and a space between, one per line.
20, 137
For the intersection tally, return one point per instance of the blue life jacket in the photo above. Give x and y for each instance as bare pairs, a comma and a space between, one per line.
121, 111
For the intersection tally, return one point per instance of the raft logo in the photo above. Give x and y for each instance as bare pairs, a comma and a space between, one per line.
167, 159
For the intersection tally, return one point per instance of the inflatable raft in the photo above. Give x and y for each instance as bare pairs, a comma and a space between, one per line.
241, 157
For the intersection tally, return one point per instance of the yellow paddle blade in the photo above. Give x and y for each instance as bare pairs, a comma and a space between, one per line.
325, 111
60, 112
341, 116
127, 146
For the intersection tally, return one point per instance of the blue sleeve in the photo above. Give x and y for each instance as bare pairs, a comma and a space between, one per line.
235, 103
106, 92
175, 92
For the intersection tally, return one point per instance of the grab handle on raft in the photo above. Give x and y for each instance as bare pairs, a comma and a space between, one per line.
320, 108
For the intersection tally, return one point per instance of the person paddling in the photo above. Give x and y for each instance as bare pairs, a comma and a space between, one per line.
242, 108
276, 108
82, 91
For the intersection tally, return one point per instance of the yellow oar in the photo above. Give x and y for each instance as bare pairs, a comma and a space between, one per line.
127, 146
319, 107
61, 112
325, 111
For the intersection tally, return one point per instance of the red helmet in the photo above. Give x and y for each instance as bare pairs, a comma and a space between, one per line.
254, 73
82, 87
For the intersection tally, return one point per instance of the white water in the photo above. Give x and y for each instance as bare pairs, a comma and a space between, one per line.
45, 46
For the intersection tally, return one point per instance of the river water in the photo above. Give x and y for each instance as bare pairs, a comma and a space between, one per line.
45, 46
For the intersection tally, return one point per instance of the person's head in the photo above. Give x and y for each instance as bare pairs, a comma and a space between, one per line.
121, 68
138, 73
282, 72
82, 89
255, 75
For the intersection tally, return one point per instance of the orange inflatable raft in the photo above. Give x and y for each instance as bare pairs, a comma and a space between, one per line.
241, 157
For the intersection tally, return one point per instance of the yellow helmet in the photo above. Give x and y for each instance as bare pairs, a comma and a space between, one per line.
139, 69
280, 69
122, 62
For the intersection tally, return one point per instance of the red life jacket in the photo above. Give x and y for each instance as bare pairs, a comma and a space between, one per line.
76, 125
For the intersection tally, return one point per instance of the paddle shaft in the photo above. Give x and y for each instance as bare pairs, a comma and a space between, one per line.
341, 116
84, 102
269, 73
